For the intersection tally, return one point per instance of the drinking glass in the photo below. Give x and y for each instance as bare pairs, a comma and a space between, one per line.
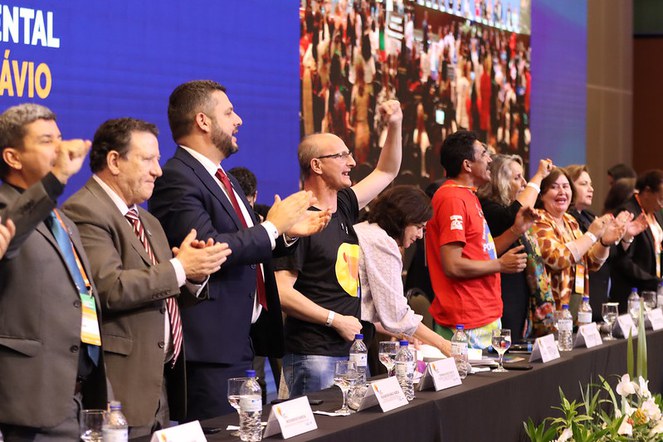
610, 311
501, 341
649, 300
234, 385
387, 355
91, 425
345, 377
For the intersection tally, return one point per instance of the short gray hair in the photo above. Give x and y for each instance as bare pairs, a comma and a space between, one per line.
12, 127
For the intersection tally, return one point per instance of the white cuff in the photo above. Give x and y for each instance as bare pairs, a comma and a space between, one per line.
179, 271
271, 232
591, 236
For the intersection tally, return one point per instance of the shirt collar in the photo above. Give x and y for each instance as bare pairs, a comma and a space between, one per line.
208, 164
119, 203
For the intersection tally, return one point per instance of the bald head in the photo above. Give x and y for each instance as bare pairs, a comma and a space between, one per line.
312, 146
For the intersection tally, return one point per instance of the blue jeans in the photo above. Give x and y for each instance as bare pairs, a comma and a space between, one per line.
308, 373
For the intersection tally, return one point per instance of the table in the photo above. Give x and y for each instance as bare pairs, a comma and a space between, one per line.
486, 407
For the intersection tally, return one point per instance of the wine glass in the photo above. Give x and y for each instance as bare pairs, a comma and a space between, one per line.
234, 385
649, 299
609, 311
91, 423
345, 377
501, 341
387, 355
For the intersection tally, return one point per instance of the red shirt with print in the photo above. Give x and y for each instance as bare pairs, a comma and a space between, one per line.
457, 217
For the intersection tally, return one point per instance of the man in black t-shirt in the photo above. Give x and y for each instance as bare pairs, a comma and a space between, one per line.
319, 283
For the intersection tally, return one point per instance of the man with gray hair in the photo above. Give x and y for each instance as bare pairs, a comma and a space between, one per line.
51, 365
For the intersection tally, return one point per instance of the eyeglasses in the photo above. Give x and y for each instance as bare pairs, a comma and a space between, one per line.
342, 155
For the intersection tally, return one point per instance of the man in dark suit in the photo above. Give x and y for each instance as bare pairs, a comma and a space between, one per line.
640, 265
50, 361
137, 275
243, 313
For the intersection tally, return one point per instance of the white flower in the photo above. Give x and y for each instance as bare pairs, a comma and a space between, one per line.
651, 410
566, 435
643, 389
625, 428
625, 386
658, 428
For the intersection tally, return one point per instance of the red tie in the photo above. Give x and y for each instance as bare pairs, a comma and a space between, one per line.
171, 303
260, 283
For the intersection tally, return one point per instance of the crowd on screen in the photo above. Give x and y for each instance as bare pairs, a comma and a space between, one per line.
453, 74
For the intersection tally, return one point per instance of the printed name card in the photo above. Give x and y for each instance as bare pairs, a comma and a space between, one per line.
291, 418
624, 324
545, 348
655, 319
189, 432
588, 335
389, 394
440, 375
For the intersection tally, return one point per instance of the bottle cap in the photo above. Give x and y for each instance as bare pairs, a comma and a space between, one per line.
250, 373
585, 298
359, 336
404, 343
460, 327
634, 289
115, 405
565, 306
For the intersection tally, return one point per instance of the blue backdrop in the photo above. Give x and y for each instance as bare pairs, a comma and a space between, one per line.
123, 58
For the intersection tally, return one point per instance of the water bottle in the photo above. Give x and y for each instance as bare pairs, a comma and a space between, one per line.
359, 355
584, 312
405, 370
565, 329
634, 305
659, 296
250, 408
459, 344
115, 427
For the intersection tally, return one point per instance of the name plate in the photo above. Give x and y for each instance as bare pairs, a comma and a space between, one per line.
389, 394
189, 432
588, 336
440, 375
291, 418
624, 324
655, 319
545, 348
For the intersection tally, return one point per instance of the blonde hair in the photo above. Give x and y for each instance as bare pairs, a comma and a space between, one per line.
499, 187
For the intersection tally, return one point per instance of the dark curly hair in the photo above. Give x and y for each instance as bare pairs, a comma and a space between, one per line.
399, 207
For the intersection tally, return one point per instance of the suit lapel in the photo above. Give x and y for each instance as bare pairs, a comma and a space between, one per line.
210, 183
100, 195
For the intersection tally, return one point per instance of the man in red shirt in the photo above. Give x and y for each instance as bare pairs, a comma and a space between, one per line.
462, 255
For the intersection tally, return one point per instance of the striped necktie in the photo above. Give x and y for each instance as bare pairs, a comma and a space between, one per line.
171, 303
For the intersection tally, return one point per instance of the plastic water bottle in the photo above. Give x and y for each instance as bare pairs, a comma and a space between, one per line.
459, 345
250, 408
565, 329
359, 355
405, 370
634, 305
659, 296
115, 427
584, 312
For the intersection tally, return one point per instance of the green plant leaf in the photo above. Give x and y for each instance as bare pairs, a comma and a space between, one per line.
642, 344
629, 355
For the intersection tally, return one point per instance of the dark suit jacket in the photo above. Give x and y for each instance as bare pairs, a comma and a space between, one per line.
40, 318
219, 330
637, 266
132, 293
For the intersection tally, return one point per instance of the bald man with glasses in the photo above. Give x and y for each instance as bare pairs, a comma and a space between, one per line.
319, 283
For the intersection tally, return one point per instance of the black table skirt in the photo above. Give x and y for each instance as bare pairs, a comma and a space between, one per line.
486, 407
